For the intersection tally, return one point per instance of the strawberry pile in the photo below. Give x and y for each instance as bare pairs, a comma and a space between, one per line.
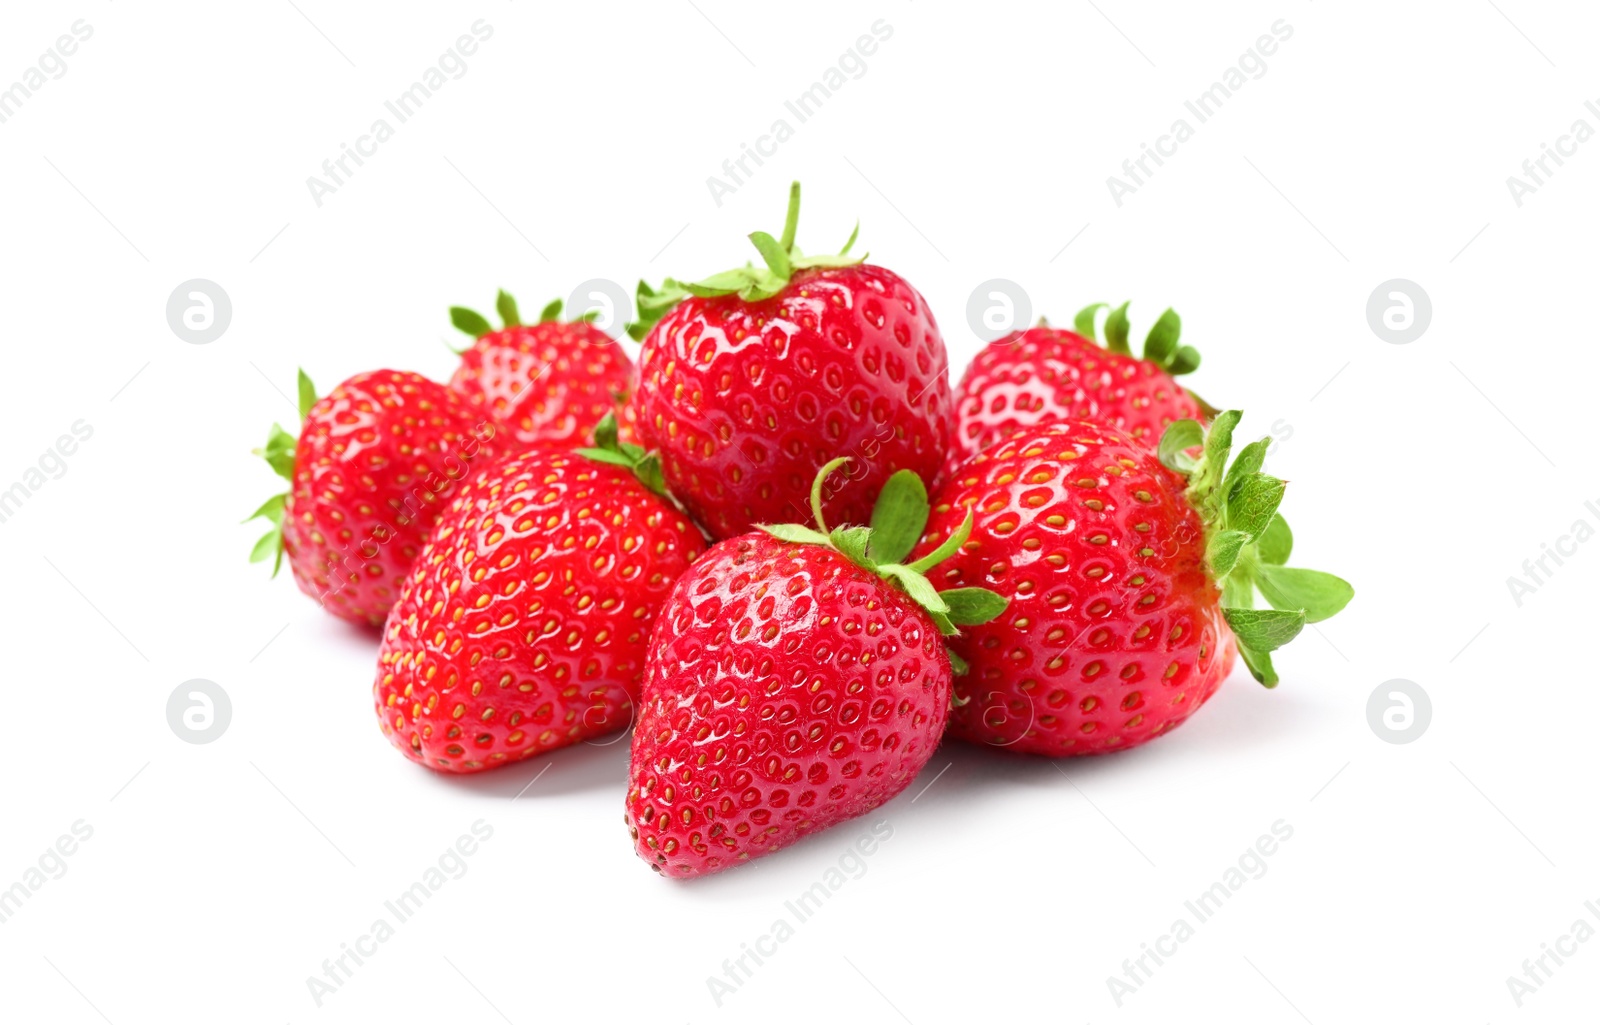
783, 549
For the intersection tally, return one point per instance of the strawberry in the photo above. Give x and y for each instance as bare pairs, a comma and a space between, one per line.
1132, 576
523, 626
1045, 373
796, 678
548, 382
751, 379
375, 460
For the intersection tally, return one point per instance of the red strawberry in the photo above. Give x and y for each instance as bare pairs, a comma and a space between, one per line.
551, 381
523, 626
369, 475
1045, 373
1131, 574
753, 378
796, 678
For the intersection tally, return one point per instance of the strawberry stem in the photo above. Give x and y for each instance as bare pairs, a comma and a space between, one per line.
507, 308
817, 485
791, 219
308, 395
750, 283
898, 520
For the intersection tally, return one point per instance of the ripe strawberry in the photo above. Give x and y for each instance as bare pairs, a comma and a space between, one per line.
523, 626
1045, 373
751, 379
1132, 575
796, 678
375, 460
547, 382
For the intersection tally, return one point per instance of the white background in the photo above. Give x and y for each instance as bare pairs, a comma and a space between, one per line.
976, 146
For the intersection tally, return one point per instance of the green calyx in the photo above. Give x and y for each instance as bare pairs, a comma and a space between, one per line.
642, 464
752, 284
898, 520
1160, 345
1248, 541
477, 325
279, 454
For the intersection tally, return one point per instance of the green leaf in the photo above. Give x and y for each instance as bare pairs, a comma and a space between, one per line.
1319, 595
817, 484
507, 308
1084, 324
776, 256
899, 516
652, 305
670, 293
272, 509
958, 665
605, 433
308, 395
726, 283
606, 455
1276, 542
764, 284
1176, 440
1254, 502
951, 545
1203, 483
1219, 439
552, 309
1248, 461
794, 533
650, 474
841, 260
1264, 630
1222, 551
279, 452
918, 587
942, 621
852, 544
1238, 591
851, 241
1185, 361
269, 545
1117, 330
973, 606
469, 321
1260, 665
1162, 341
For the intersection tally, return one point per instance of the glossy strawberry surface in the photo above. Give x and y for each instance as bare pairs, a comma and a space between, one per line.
746, 400
524, 625
1045, 374
376, 461
787, 690
547, 382
1114, 634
